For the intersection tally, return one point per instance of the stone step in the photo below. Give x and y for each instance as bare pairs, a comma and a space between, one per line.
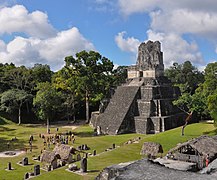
117, 109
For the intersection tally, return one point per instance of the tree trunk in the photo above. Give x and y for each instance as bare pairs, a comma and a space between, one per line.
87, 107
183, 127
48, 129
186, 122
19, 115
73, 106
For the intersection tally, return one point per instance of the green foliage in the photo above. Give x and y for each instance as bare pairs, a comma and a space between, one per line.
203, 99
41, 73
92, 75
120, 75
212, 105
65, 81
210, 84
47, 101
185, 75
4, 82
188, 79
13, 100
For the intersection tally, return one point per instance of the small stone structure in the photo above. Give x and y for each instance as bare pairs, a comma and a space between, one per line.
195, 151
84, 165
94, 152
143, 104
9, 166
25, 161
26, 175
78, 157
151, 149
50, 158
61, 155
66, 152
36, 170
73, 167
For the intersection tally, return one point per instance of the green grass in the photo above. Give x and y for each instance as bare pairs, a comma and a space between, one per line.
83, 135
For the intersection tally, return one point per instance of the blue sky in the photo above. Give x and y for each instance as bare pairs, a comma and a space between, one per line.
46, 31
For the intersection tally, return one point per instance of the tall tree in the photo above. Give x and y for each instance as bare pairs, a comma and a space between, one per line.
186, 76
20, 78
48, 101
212, 106
93, 73
4, 81
41, 73
13, 99
210, 89
65, 80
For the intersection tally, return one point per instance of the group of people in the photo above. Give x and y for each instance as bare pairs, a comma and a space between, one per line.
65, 138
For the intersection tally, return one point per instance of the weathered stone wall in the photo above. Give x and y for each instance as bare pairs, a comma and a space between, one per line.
119, 111
145, 169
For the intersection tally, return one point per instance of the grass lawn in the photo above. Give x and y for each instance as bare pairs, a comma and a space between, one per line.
83, 135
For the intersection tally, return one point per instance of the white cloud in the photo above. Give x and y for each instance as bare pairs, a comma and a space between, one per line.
42, 44
65, 43
128, 7
2, 45
18, 19
196, 16
126, 44
183, 21
52, 51
175, 48
170, 20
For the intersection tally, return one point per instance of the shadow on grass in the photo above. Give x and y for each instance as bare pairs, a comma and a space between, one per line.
93, 171
33, 125
213, 132
9, 145
6, 129
84, 134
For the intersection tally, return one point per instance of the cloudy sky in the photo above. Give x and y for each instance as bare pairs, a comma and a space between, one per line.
46, 31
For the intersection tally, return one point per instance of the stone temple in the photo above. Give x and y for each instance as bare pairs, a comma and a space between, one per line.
144, 103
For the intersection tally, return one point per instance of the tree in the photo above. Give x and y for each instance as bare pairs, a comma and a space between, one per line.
186, 76
93, 74
65, 81
20, 78
188, 79
210, 84
189, 104
212, 106
48, 101
120, 75
4, 82
41, 73
13, 99
210, 89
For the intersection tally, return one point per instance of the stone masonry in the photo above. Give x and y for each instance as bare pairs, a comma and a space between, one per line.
143, 104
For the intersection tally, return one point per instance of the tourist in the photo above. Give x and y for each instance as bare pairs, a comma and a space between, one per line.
207, 160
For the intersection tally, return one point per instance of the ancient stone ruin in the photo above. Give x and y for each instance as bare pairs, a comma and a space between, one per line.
144, 103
